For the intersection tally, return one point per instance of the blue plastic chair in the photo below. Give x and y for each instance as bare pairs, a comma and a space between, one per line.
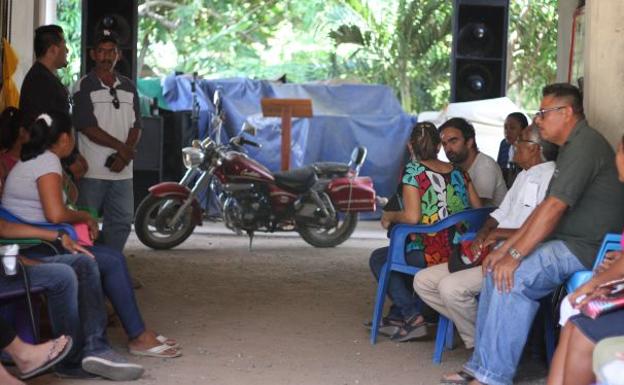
611, 242
17, 315
474, 219
10, 217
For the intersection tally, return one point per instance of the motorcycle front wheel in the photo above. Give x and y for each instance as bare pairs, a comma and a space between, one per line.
329, 237
151, 222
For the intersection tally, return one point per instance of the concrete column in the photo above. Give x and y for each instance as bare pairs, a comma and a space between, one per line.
604, 67
21, 37
564, 30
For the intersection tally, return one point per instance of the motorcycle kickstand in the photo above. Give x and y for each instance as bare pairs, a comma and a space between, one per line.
250, 234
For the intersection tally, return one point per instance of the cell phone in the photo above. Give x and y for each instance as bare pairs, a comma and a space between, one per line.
110, 160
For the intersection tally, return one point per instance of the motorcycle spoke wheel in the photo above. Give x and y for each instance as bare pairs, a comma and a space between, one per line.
152, 222
331, 236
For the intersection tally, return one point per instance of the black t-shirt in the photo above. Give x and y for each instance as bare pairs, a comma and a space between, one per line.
42, 91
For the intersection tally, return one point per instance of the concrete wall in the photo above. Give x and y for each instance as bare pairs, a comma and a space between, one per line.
27, 15
604, 67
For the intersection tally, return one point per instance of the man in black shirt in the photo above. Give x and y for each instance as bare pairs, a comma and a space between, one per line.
42, 91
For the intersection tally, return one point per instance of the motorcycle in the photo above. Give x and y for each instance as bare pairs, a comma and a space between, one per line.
320, 201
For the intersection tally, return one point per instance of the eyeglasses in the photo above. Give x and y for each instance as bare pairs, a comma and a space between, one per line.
540, 113
113, 93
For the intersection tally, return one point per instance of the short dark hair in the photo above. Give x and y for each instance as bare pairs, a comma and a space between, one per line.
566, 91
44, 132
520, 118
11, 120
45, 37
424, 141
467, 129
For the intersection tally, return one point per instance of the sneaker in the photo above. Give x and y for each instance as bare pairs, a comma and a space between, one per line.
112, 366
73, 373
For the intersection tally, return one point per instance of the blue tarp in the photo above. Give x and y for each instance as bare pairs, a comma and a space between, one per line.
344, 116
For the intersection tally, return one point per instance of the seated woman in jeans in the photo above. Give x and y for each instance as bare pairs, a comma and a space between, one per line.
572, 362
431, 190
34, 192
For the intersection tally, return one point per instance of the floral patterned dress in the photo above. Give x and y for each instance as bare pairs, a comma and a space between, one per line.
441, 195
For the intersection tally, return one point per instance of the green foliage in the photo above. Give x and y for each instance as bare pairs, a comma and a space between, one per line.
69, 19
533, 46
404, 44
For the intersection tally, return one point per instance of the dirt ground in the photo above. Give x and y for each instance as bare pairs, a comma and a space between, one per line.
284, 313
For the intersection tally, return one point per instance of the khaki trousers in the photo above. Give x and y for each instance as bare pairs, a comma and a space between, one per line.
452, 295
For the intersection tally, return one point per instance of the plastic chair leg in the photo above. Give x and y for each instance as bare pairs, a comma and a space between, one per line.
444, 324
382, 287
549, 336
450, 334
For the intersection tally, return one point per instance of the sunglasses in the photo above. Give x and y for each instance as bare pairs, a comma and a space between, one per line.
113, 93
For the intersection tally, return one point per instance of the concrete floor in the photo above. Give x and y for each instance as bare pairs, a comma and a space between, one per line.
284, 313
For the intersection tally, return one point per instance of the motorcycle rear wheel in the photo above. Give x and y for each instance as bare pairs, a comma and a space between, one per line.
322, 237
150, 222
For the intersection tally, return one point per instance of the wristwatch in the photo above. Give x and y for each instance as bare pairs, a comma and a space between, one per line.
515, 254
59, 235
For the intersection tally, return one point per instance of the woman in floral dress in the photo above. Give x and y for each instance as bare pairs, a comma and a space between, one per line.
430, 191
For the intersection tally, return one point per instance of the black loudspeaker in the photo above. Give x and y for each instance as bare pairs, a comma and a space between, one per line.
479, 53
118, 16
179, 133
148, 159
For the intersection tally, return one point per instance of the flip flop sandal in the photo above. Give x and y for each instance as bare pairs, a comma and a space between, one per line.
409, 331
387, 327
465, 379
160, 351
167, 341
51, 361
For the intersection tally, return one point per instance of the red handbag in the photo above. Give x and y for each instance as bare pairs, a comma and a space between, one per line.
606, 303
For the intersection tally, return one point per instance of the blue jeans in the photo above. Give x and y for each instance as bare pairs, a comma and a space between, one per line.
110, 273
115, 200
75, 303
504, 319
400, 287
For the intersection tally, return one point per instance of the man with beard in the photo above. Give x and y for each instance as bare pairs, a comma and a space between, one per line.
460, 146
106, 115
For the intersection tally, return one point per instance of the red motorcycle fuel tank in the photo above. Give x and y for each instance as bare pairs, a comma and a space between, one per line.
238, 167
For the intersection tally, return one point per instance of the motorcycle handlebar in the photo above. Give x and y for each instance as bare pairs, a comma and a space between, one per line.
240, 141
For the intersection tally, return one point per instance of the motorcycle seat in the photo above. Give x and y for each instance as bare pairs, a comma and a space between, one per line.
298, 180
331, 168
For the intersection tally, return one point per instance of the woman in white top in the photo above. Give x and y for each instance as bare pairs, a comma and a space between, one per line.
34, 192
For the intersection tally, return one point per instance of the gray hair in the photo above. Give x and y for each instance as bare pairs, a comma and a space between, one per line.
549, 150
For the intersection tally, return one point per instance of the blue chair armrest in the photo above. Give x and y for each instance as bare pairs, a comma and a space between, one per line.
10, 217
474, 217
611, 242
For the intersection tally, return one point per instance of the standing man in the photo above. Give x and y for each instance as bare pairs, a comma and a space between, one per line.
106, 115
42, 91
460, 146
584, 201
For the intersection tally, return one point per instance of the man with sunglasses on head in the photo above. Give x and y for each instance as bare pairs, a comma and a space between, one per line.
584, 201
107, 117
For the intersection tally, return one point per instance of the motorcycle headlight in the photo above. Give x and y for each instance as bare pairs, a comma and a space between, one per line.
192, 157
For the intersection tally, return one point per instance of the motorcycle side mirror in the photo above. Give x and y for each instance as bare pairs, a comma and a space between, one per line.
249, 129
358, 156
